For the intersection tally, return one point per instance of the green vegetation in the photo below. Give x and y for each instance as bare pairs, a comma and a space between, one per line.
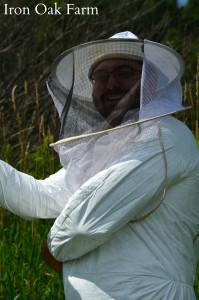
23, 274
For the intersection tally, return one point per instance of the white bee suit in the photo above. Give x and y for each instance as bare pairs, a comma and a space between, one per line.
110, 248
129, 229
30, 198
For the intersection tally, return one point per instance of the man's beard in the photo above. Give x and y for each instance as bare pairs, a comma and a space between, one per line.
113, 109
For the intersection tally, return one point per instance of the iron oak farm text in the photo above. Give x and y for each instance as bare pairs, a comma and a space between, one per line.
42, 9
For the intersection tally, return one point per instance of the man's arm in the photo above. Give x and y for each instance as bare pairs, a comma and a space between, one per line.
125, 192
49, 259
28, 197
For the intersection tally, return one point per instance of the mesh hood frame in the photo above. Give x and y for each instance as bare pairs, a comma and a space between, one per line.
69, 80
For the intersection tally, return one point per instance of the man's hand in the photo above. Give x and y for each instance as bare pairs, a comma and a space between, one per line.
49, 259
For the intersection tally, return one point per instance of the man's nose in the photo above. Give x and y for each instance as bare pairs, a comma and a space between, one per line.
112, 82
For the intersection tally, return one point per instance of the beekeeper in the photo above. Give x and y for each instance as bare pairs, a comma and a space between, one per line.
126, 200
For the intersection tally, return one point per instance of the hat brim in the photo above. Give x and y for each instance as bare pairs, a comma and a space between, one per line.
78, 62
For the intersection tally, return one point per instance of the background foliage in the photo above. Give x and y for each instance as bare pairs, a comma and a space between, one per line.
29, 44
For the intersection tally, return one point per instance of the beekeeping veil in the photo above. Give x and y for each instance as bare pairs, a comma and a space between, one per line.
91, 140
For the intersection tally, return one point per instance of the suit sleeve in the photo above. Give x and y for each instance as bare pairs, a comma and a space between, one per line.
28, 197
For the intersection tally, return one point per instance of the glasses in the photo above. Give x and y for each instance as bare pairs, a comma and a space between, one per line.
120, 73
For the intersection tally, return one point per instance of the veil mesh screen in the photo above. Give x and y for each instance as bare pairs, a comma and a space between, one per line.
158, 88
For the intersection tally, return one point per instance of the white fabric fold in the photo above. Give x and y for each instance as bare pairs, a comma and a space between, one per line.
28, 197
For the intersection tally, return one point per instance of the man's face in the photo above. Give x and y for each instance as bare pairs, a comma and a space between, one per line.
112, 80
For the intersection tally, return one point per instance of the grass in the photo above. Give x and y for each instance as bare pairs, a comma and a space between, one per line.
23, 274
